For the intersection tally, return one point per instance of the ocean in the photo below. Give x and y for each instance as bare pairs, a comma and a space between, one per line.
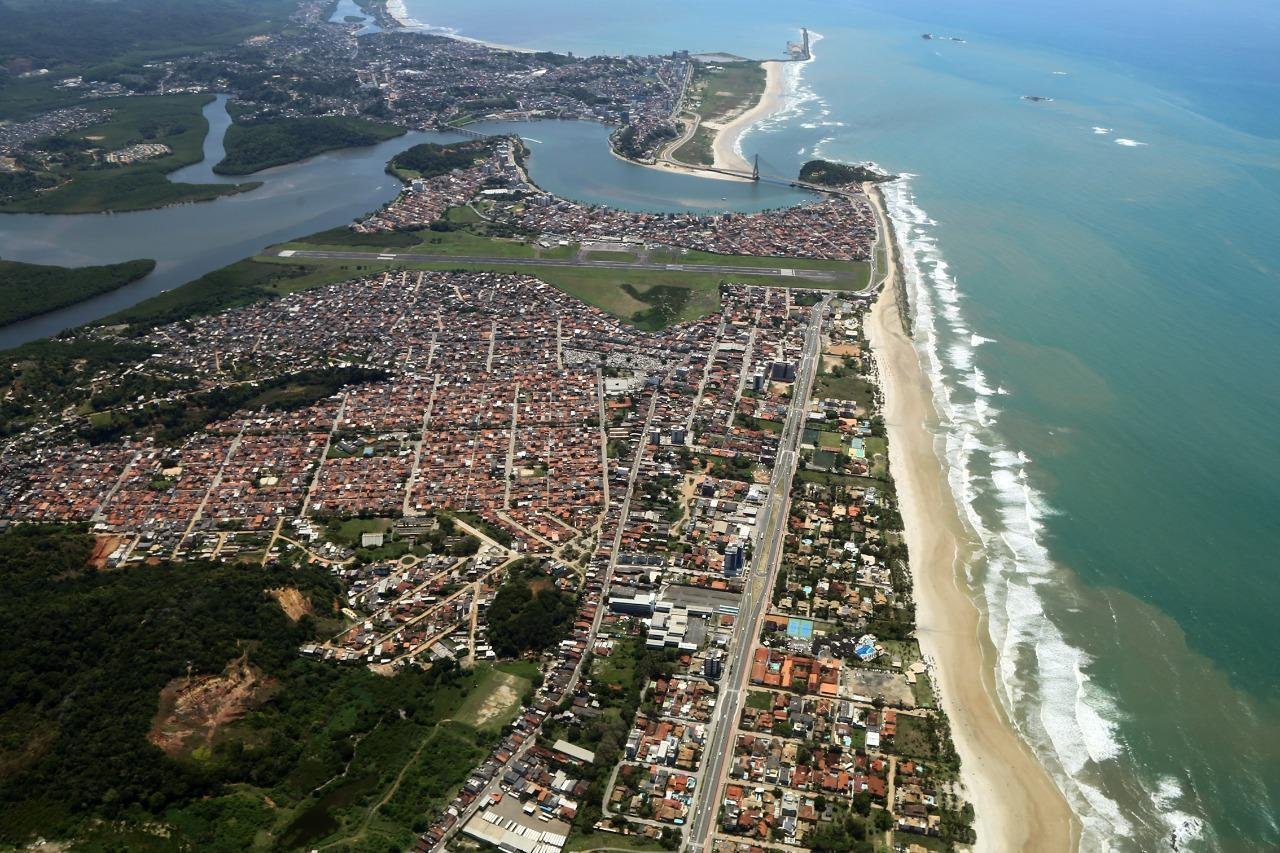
1096, 286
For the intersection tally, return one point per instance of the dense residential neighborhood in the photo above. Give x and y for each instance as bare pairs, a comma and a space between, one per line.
656, 555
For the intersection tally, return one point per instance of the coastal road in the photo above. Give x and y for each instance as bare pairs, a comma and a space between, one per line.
725, 269
767, 556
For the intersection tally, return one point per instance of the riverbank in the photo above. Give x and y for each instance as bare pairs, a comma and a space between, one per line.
1017, 806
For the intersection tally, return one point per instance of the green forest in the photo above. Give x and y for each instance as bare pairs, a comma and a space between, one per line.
30, 289
832, 174
316, 751
431, 158
528, 613
62, 33
253, 147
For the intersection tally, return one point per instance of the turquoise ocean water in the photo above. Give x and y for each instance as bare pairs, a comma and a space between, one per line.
1097, 288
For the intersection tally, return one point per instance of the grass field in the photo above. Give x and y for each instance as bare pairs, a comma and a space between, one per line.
846, 386
697, 149
839, 479
913, 737
494, 701
648, 299
91, 187
726, 89
610, 841
521, 668
349, 531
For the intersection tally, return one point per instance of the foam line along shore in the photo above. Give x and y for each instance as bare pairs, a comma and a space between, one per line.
1017, 805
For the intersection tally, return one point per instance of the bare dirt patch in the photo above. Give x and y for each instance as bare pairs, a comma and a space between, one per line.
102, 548
294, 604
497, 704
842, 350
890, 686
192, 709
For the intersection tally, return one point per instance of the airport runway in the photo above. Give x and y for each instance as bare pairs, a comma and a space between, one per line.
411, 258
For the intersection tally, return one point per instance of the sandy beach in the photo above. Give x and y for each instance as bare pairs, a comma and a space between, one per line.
772, 100
1018, 807
397, 10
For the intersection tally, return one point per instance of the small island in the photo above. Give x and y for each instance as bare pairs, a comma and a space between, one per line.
829, 174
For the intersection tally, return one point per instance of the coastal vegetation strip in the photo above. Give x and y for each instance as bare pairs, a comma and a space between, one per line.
27, 290
722, 90
261, 145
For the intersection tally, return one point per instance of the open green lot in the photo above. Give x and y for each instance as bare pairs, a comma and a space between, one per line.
697, 149
845, 384
611, 841
914, 738
848, 480
726, 88
494, 700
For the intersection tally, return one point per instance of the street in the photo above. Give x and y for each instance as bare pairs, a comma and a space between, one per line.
770, 533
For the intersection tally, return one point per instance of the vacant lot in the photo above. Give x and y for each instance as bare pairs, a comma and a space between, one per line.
495, 699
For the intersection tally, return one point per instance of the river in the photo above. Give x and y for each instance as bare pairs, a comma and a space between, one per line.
568, 157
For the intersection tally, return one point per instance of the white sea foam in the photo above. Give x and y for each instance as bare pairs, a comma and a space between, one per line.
1102, 131
796, 95
1183, 827
1043, 680
1060, 74
1130, 143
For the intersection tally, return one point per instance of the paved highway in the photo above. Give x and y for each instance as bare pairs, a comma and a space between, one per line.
778, 272
766, 557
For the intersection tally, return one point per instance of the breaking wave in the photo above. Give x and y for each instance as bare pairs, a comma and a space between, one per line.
797, 96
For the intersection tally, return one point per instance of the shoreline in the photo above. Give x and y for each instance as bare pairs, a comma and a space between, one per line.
397, 11
725, 148
1017, 806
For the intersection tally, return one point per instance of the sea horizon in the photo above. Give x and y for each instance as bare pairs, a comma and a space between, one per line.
1085, 272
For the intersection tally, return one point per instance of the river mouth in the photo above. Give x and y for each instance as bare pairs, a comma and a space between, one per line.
569, 158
